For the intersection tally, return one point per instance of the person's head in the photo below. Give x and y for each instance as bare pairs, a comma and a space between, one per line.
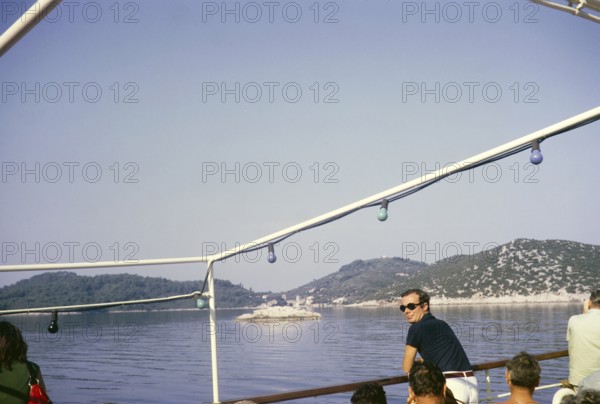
370, 393
588, 396
425, 379
595, 299
523, 370
13, 347
415, 304
584, 396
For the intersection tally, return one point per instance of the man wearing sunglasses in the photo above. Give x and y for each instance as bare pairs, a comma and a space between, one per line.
435, 341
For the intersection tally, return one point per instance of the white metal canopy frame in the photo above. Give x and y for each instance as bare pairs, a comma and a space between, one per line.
526, 142
588, 9
29, 19
40, 10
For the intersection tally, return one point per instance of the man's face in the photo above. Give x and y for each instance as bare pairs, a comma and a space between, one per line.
415, 315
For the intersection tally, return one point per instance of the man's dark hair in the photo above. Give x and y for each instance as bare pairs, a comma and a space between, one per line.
588, 396
370, 393
426, 380
423, 296
524, 370
595, 298
585, 396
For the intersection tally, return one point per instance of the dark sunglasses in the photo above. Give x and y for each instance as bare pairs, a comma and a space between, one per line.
410, 306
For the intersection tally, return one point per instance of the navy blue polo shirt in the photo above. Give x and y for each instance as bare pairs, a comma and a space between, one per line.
436, 342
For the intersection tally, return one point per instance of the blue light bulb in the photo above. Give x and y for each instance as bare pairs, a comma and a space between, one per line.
536, 155
383, 213
271, 258
201, 303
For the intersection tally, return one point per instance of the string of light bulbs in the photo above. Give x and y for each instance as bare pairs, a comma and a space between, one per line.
535, 158
53, 327
533, 142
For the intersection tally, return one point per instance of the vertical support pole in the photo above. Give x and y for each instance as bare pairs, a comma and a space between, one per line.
488, 386
213, 335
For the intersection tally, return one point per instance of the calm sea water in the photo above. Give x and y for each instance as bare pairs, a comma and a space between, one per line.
164, 357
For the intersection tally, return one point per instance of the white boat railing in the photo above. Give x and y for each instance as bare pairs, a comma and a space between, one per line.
351, 387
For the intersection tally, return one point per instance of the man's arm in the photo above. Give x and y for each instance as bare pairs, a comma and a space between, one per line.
410, 353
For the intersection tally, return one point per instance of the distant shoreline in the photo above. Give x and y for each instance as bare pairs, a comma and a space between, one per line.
538, 299
374, 304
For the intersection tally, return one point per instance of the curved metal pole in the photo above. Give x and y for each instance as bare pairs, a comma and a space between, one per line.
213, 333
552, 130
575, 10
25, 23
92, 306
63, 266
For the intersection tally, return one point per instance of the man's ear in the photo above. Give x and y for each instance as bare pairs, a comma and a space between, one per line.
444, 390
507, 377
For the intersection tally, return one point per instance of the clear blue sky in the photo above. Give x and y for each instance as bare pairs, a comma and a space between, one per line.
170, 129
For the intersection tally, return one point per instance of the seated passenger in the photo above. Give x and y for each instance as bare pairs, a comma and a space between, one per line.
370, 393
427, 385
522, 376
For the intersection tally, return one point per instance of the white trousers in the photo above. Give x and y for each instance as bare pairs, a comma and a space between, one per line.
464, 389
